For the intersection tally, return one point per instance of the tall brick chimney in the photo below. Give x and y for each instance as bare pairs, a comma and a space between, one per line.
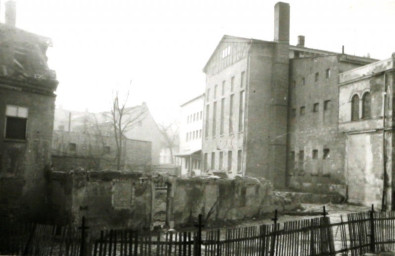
281, 22
10, 13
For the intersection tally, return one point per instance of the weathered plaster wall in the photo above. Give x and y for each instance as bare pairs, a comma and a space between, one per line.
113, 199
316, 129
219, 200
107, 199
23, 162
365, 168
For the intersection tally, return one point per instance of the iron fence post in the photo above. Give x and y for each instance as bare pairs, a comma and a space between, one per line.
83, 228
198, 240
372, 231
274, 233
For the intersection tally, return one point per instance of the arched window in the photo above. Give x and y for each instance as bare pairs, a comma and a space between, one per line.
366, 108
355, 108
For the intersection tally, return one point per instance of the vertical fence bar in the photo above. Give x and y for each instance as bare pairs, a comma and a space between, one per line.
273, 240
372, 233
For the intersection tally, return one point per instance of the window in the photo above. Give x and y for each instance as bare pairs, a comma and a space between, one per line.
326, 154
206, 132
222, 116
239, 161
328, 73
231, 114
327, 105
208, 95
213, 160
214, 119
316, 107
107, 149
226, 52
16, 122
316, 77
229, 161
302, 110
201, 115
315, 154
241, 112
215, 91
355, 108
232, 83
366, 106
221, 160
242, 79
303, 81
72, 147
223, 88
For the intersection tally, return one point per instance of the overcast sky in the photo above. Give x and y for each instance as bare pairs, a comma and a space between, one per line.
162, 45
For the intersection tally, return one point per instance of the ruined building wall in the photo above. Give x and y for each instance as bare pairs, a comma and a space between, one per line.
316, 147
27, 102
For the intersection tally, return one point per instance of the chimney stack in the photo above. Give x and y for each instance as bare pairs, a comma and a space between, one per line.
281, 22
300, 41
10, 13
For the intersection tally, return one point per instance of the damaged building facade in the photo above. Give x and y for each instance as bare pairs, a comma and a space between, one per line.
283, 112
27, 102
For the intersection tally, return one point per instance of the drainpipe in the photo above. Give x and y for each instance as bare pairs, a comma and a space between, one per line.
385, 175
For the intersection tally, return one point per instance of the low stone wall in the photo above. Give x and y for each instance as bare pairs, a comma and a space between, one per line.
110, 199
219, 199
107, 199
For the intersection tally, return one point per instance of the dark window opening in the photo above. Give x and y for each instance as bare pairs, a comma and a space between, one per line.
366, 106
72, 147
229, 161
316, 77
326, 154
355, 108
327, 105
303, 81
316, 107
15, 128
315, 154
302, 110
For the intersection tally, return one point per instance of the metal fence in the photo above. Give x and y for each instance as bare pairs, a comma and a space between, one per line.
355, 234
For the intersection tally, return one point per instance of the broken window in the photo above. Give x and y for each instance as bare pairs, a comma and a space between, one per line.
16, 122
366, 106
326, 154
355, 108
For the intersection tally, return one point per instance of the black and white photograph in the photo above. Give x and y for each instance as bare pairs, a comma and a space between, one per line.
197, 127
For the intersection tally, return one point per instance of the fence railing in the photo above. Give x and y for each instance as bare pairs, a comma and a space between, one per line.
38, 239
355, 234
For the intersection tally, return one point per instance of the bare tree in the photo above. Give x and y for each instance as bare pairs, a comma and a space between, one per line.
170, 137
122, 120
